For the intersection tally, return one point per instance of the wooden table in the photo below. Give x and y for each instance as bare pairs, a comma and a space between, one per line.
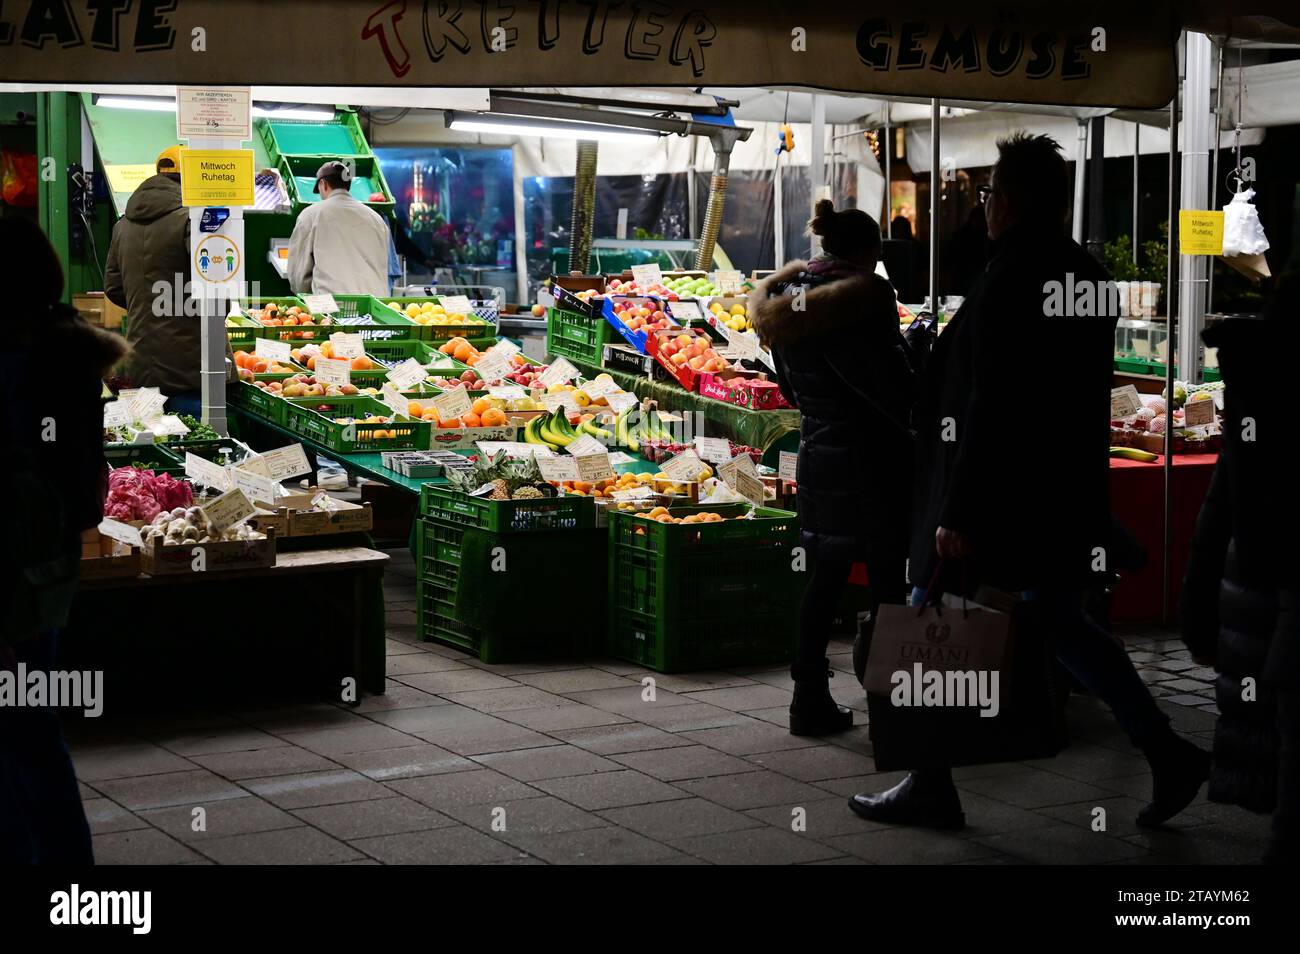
318, 615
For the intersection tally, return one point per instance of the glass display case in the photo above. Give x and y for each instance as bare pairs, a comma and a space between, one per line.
1139, 343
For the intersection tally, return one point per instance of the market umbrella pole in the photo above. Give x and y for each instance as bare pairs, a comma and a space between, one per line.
1171, 306
713, 212
584, 206
936, 188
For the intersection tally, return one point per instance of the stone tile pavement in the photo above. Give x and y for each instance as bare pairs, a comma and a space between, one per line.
571, 763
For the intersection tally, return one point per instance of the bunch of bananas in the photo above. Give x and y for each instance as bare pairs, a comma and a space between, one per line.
554, 430
634, 426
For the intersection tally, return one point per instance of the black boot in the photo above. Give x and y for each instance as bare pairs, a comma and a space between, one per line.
924, 799
813, 711
1178, 770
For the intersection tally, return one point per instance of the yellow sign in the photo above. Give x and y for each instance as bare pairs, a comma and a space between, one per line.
219, 177
1200, 232
125, 179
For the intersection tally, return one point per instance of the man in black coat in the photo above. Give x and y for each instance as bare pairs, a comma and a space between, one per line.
1012, 473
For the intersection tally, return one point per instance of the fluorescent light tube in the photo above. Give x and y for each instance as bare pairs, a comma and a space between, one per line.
546, 130
137, 102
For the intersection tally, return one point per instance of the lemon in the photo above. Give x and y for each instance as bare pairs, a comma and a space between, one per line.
737, 309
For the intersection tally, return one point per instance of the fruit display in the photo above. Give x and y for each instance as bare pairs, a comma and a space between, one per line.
735, 317
685, 286
1145, 430
692, 351
306, 385
523, 373
554, 431
632, 426
329, 410
307, 355
605, 488
642, 314
661, 515
658, 450
485, 413
433, 313
619, 286
189, 525
250, 364
510, 478
272, 315
753, 393
136, 494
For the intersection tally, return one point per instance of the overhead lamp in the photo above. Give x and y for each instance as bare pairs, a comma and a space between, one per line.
322, 114
518, 126
155, 104
162, 105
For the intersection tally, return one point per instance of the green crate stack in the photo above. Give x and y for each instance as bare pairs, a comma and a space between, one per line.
301, 419
701, 596
577, 337
336, 138
154, 457
299, 175
506, 516
384, 324
251, 398
481, 329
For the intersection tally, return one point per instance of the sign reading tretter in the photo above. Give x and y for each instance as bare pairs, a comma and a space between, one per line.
1114, 53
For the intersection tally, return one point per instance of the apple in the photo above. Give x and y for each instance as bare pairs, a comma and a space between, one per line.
539, 311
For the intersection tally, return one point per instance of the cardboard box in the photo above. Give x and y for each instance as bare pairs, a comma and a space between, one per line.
162, 560
755, 393
99, 311
563, 288
271, 519
455, 438
347, 518
103, 558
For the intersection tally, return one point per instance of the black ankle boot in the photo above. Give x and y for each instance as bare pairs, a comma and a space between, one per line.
920, 799
813, 711
1178, 770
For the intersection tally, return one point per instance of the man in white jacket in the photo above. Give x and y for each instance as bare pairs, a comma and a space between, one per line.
339, 246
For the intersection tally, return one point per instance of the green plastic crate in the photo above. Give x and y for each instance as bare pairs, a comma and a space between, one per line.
299, 175
256, 401
241, 332
155, 457
506, 516
301, 418
472, 330
577, 337
335, 138
703, 596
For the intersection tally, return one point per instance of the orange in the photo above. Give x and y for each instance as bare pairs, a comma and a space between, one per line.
454, 422
471, 420
493, 418
326, 350
463, 351
414, 409
429, 415
447, 347
473, 359
362, 363
481, 405
311, 363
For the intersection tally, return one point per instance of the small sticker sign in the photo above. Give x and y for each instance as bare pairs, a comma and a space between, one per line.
635, 493
599, 388
169, 425
117, 414
506, 348
621, 400
231, 508
1199, 413
584, 446
558, 468
493, 367
685, 467
333, 371
255, 486
739, 474
146, 403
684, 311
514, 449
203, 471
347, 345
618, 458
787, 465
507, 392
716, 450
407, 375
1124, 402
452, 404
121, 532
456, 305
560, 372
396, 403
1200, 232
560, 399
286, 462
594, 466
321, 304
730, 281
647, 275
272, 350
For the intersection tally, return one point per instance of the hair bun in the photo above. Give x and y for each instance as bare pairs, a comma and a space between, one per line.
823, 217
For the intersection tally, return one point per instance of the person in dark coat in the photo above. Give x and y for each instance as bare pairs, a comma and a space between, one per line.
1024, 507
1241, 592
52, 444
832, 325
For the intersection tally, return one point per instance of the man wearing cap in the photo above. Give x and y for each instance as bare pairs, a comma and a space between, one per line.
339, 246
151, 245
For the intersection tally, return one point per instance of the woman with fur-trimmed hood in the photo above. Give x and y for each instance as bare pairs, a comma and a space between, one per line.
832, 326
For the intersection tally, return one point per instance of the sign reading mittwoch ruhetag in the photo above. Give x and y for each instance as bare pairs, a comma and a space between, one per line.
216, 177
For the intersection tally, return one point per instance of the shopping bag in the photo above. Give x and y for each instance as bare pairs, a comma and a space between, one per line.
968, 717
1242, 232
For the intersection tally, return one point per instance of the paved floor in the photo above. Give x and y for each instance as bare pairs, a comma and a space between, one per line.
462, 762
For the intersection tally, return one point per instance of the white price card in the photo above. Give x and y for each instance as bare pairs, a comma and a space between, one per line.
596, 388
456, 305
408, 374
787, 465
594, 466
146, 403
507, 392
716, 450
506, 348
286, 462
685, 467
272, 350
1198, 413
739, 474
618, 458
347, 345
684, 311
117, 414
744, 344
560, 399
514, 449
452, 404
121, 532
321, 304
493, 367
231, 508
621, 400
1124, 402
584, 446
333, 371
393, 398
647, 275
729, 281
635, 493
168, 425
256, 487
203, 471
558, 468
560, 372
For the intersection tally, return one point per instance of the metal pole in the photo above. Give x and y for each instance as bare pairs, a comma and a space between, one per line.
1080, 171
1171, 301
1137, 153
1214, 166
692, 198
584, 206
1194, 184
1096, 207
713, 212
817, 168
936, 195
778, 217
521, 244
889, 155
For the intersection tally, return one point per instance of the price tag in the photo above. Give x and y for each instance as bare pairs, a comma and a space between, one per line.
169, 425
286, 462
560, 372
558, 468
507, 392
256, 487
594, 466
647, 275
452, 404
744, 344
596, 388
683, 468
1142, 347
766, 357
390, 396
1124, 402
787, 465
1198, 413
231, 508
729, 281
618, 458
321, 304
560, 399
684, 311
121, 532
117, 414
146, 403
621, 400
493, 367
514, 449
716, 450
456, 305
333, 371
635, 493
506, 348
126, 394
272, 350
347, 345
203, 471
585, 446
739, 474
406, 375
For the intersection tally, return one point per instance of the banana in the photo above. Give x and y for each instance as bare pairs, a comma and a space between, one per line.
533, 435
551, 434
1133, 453
586, 427
622, 432
655, 428
561, 424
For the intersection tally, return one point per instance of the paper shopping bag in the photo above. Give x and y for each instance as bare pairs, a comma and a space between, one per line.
936, 638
